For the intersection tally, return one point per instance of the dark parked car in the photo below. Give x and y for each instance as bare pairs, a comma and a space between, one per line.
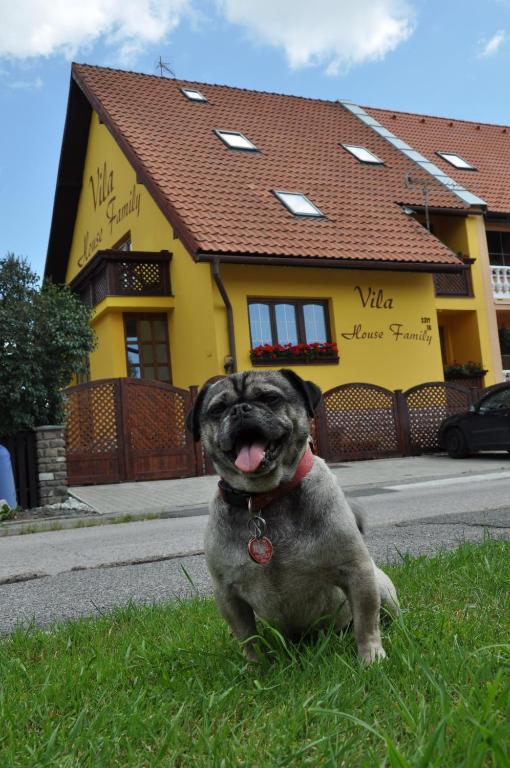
485, 427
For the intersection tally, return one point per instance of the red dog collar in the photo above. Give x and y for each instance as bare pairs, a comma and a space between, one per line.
260, 500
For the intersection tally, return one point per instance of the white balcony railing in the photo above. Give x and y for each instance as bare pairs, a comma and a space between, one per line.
501, 282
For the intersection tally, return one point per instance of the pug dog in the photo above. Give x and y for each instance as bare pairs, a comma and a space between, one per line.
282, 543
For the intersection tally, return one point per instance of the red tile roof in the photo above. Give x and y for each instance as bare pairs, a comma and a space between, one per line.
221, 200
485, 146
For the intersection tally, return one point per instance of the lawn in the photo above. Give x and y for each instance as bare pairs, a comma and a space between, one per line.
167, 685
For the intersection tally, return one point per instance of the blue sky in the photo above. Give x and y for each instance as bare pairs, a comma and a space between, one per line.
443, 57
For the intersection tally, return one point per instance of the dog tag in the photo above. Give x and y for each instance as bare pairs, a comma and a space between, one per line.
260, 550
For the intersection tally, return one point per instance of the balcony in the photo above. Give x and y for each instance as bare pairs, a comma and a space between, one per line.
501, 282
455, 284
124, 273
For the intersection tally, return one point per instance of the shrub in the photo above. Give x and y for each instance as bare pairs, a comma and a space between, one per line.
45, 336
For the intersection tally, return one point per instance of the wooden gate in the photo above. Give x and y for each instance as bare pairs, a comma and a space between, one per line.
427, 405
126, 429
357, 421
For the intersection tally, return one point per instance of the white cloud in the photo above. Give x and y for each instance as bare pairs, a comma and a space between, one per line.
337, 34
23, 85
491, 46
45, 27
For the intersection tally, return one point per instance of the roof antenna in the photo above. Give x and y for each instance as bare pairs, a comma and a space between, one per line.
164, 66
426, 185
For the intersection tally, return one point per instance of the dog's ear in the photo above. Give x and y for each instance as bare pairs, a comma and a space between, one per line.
193, 415
309, 391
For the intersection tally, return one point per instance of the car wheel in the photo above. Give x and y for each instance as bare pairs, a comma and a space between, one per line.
455, 443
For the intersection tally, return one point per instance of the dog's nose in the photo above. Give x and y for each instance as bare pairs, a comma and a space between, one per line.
240, 411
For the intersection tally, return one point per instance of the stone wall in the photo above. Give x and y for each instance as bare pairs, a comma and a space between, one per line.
51, 458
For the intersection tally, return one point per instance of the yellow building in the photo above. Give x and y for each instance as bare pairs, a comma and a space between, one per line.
206, 225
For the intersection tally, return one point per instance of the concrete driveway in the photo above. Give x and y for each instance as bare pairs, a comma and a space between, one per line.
160, 496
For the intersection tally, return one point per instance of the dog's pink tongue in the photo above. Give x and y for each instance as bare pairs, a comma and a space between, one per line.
250, 457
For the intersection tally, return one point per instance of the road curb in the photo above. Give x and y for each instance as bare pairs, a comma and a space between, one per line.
60, 523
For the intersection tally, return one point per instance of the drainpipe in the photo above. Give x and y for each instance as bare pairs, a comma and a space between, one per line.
230, 364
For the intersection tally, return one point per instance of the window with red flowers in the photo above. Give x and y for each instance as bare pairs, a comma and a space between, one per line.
288, 321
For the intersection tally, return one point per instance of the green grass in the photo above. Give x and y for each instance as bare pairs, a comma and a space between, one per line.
167, 685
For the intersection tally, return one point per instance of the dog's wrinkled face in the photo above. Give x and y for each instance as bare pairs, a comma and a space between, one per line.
254, 426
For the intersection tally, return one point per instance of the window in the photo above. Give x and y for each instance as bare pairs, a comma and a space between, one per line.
288, 321
457, 161
498, 244
236, 140
124, 244
147, 347
193, 95
499, 401
362, 154
298, 204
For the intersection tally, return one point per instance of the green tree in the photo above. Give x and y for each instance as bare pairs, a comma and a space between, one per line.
45, 337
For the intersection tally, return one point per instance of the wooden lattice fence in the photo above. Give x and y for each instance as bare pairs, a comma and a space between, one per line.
127, 429
93, 433
365, 421
428, 405
358, 421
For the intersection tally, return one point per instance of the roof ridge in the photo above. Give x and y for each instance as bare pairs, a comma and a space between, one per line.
435, 117
209, 85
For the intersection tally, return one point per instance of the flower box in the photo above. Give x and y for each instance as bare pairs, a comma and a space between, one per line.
469, 374
296, 354
467, 381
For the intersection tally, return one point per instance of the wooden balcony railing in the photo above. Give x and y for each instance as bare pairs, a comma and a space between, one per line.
454, 283
124, 273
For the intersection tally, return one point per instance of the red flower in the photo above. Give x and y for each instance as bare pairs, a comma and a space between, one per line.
310, 351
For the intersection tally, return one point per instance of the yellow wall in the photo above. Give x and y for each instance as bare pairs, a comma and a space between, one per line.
388, 360
109, 358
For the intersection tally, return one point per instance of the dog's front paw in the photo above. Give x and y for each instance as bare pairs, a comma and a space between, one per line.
371, 652
251, 653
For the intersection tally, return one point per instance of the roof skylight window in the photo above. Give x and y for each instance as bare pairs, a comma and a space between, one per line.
193, 95
236, 140
298, 204
362, 154
457, 161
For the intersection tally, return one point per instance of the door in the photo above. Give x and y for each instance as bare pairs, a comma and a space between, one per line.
147, 348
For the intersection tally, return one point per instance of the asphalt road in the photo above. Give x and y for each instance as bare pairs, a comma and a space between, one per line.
84, 572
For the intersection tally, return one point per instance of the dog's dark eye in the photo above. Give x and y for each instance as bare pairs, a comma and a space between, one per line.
216, 410
270, 398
